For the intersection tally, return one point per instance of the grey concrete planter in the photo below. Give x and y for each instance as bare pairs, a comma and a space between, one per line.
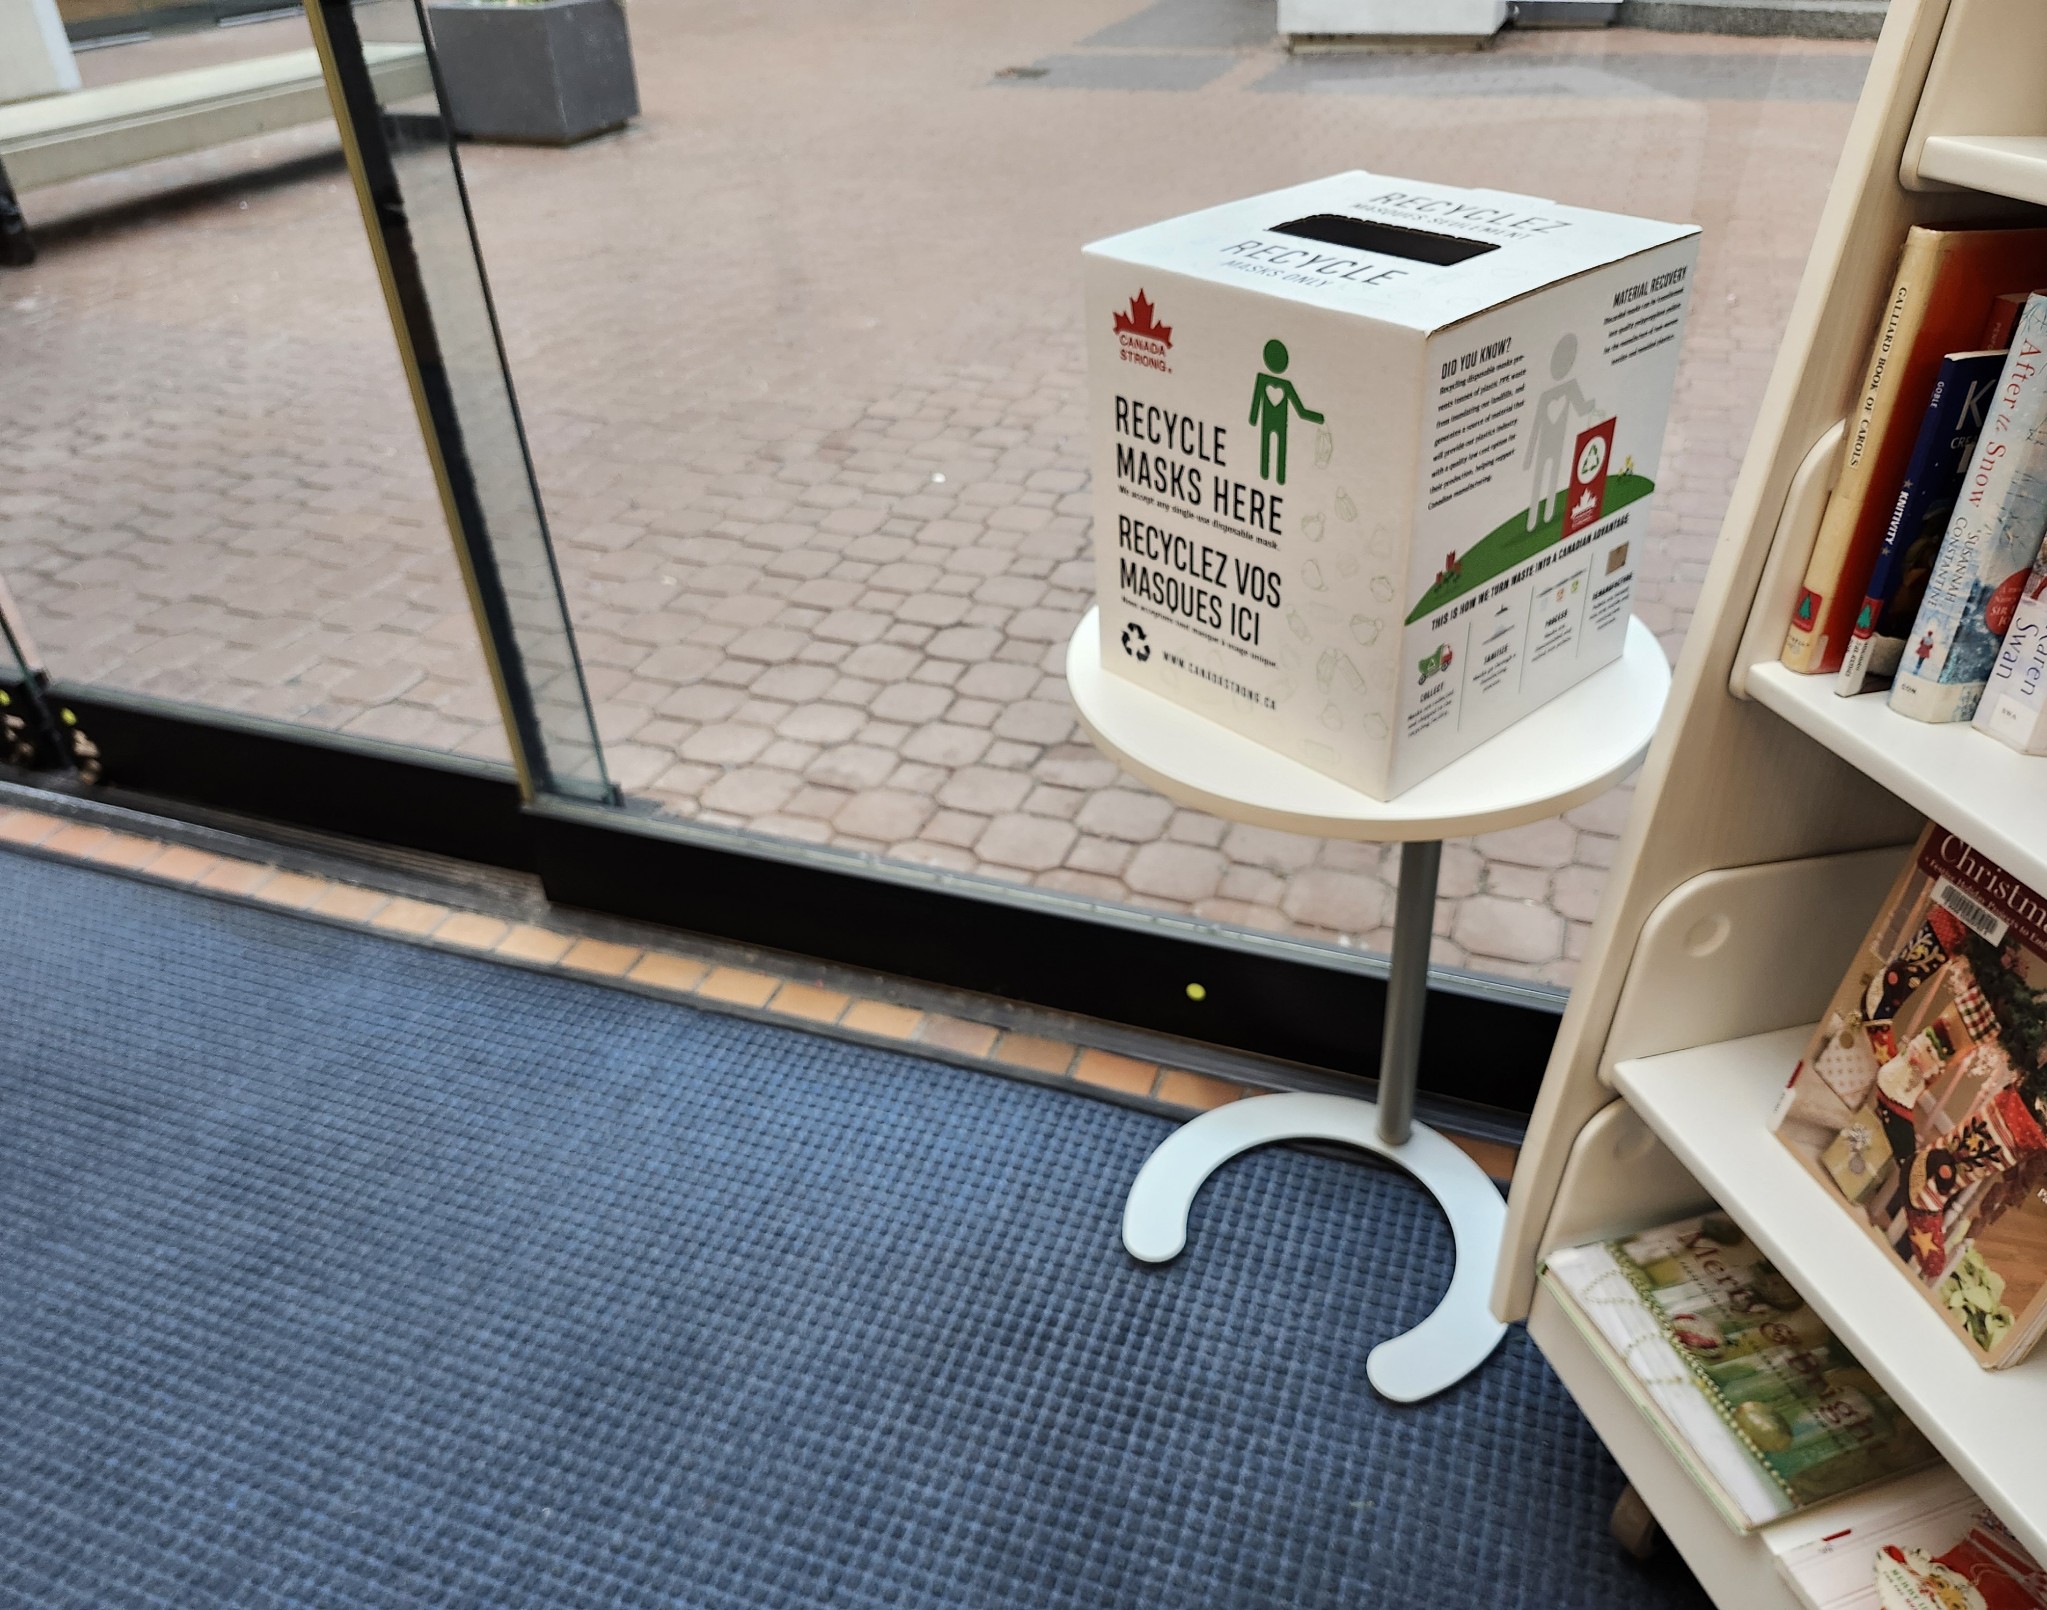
546, 73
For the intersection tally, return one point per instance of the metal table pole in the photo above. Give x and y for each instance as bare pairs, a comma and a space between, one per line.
1407, 987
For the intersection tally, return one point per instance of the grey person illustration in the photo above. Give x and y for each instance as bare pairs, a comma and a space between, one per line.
1550, 437
1271, 400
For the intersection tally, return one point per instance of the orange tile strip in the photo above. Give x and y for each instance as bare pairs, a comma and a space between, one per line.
719, 987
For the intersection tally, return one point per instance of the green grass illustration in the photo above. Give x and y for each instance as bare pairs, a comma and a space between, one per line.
1511, 542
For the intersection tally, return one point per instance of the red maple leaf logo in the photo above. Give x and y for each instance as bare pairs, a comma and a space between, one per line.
1140, 321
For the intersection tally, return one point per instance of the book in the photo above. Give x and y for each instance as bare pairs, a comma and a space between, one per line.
1947, 435
1753, 1394
1925, 502
2013, 709
2004, 318
1825, 1556
1918, 1099
1991, 541
1947, 280
1986, 1570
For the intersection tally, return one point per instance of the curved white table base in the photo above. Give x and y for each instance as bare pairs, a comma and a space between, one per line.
1444, 1348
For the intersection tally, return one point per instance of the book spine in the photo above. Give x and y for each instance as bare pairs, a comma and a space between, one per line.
1821, 619
1857, 663
1992, 538
1620, 1361
1858, 667
2003, 319
1940, 456
1709, 1389
2014, 704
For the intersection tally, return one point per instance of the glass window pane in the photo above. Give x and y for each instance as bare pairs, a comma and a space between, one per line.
800, 352
215, 484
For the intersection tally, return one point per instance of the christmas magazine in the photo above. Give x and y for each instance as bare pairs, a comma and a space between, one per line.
1921, 1100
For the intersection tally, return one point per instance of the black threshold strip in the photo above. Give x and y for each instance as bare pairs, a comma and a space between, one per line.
1485, 1044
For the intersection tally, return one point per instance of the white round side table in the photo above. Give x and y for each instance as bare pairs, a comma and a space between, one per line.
1570, 750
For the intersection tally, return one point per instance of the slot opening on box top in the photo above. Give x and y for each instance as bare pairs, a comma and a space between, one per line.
1385, 240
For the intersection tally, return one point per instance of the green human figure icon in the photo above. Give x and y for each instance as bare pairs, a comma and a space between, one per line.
1271, 400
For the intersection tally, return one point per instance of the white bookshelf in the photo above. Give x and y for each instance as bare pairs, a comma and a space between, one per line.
1711, 1106
1742, 881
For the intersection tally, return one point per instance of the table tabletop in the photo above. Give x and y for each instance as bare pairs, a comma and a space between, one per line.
1557, 756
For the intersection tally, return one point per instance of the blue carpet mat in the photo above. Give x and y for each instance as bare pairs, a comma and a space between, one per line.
338, 1272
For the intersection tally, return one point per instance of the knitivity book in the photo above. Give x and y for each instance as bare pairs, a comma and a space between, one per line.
1992, 539
1752, 1392
1947, 436
1825, 1554
1986, 1570
1919, 1098
2013, 709
1941, 301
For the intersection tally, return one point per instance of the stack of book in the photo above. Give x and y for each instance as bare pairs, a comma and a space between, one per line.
1928, 573
1782, 1429
1744, 1383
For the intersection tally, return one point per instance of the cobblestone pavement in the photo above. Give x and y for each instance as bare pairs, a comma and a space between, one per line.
799, 355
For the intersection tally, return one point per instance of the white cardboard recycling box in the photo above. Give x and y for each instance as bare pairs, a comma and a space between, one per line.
1372, 459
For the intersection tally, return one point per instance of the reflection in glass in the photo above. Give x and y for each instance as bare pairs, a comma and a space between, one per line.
411, 186
800, 354
36, 731
212, 490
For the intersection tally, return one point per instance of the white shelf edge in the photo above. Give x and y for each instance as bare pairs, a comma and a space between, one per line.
1711, 1106
1995, 797
2013, 165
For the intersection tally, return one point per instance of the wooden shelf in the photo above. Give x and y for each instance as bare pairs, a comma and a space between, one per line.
2013, 165
1711, 1107
1993, 796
